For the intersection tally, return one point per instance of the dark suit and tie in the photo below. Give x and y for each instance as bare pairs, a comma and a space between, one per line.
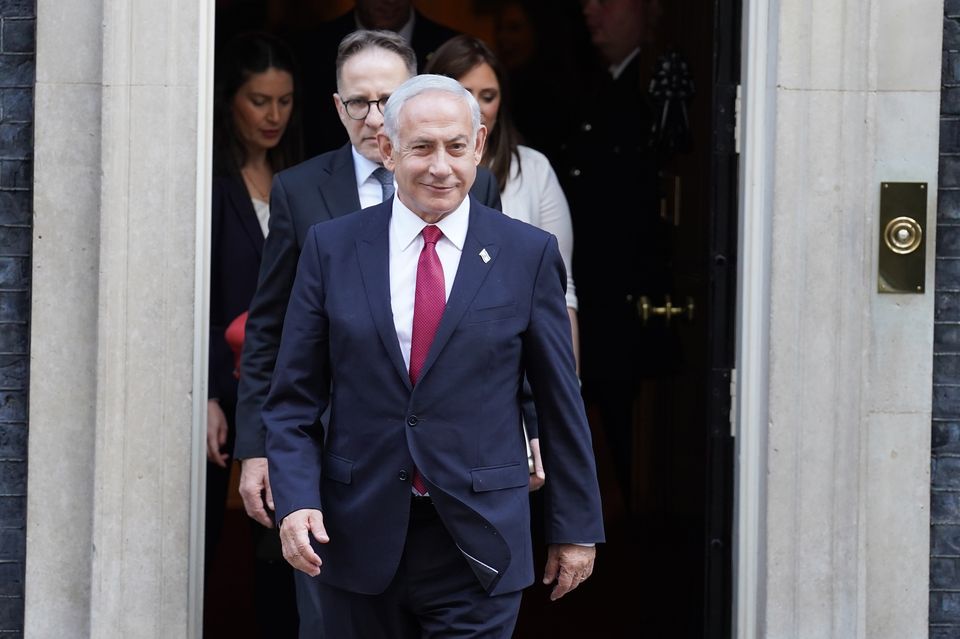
384, 560
317, 190
326, 187
320, 189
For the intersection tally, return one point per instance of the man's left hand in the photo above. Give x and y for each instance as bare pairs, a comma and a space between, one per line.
295, 532
569, 565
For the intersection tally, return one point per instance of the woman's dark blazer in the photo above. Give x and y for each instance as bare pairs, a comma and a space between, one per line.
237, 245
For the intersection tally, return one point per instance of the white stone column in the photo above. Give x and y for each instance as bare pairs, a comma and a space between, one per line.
112, 465
844, 531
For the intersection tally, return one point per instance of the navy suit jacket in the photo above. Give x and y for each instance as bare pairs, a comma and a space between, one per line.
236, 248
460, 425
320, 189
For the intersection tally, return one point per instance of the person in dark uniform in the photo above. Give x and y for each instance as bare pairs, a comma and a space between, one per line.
608, 168
317, 48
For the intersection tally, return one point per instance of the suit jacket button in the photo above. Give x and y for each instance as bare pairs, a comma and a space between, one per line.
412, 420
402, 475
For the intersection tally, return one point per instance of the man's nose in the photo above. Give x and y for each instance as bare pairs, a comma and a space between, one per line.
440, 166
374, 118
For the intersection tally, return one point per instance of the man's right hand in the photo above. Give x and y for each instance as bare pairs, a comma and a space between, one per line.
295, 531
255, 490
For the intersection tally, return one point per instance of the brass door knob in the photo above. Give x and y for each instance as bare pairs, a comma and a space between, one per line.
668, 311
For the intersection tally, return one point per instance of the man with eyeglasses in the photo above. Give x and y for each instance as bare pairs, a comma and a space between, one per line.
370, 65
316, 48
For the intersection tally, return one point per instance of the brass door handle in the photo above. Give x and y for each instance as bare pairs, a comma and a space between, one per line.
668, 311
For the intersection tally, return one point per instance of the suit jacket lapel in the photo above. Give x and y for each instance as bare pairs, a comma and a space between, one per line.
338, 187
373, 252
247, 216
471, 273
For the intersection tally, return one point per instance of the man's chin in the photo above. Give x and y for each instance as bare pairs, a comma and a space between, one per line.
434, 208
371, 153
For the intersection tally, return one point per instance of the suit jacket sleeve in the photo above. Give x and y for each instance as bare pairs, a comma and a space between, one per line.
300, 391
571, 494
265, 324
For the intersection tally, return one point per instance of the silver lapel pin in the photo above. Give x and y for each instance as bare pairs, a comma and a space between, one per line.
484, 255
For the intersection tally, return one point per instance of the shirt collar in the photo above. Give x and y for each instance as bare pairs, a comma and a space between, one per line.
363, 167
617, 69
405, 32
408, 224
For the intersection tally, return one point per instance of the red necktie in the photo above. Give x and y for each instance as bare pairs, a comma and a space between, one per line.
429, 302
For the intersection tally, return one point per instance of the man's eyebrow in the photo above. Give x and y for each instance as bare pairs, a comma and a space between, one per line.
382, 96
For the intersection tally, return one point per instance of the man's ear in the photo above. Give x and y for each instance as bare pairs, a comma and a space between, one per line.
386, 150
338, 105
481, 142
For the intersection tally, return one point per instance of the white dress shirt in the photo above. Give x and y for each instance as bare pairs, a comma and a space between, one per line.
368, 187
617, 69
406, 242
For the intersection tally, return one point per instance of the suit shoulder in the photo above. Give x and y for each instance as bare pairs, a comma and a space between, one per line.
483, 179
309, 169
354, 225
512, 229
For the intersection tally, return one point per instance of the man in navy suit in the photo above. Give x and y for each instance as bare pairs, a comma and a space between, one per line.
370, 65
414, 322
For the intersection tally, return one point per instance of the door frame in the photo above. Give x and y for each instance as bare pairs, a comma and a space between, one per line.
750, 404
198, 435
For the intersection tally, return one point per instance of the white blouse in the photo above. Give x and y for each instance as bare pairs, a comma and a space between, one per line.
533, 195
262, 209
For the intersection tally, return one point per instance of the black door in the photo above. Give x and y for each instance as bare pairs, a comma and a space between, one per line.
666, 569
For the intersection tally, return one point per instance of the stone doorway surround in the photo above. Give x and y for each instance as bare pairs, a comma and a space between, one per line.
833, 436
115, 479
833, 406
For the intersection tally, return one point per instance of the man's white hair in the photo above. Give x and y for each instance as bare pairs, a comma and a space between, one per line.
421, 84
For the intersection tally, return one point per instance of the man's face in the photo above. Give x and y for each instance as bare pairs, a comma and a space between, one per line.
372, 74
616, 26
435, 159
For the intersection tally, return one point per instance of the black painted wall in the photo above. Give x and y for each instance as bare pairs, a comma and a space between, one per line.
945, 465
17, 65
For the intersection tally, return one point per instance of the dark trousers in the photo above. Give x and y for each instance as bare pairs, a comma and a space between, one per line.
308, 606
434, 594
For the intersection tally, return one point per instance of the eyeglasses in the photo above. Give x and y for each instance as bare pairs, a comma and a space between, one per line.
358, 109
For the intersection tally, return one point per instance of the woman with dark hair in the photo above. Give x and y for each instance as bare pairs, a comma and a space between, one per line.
529, 189
256, 134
